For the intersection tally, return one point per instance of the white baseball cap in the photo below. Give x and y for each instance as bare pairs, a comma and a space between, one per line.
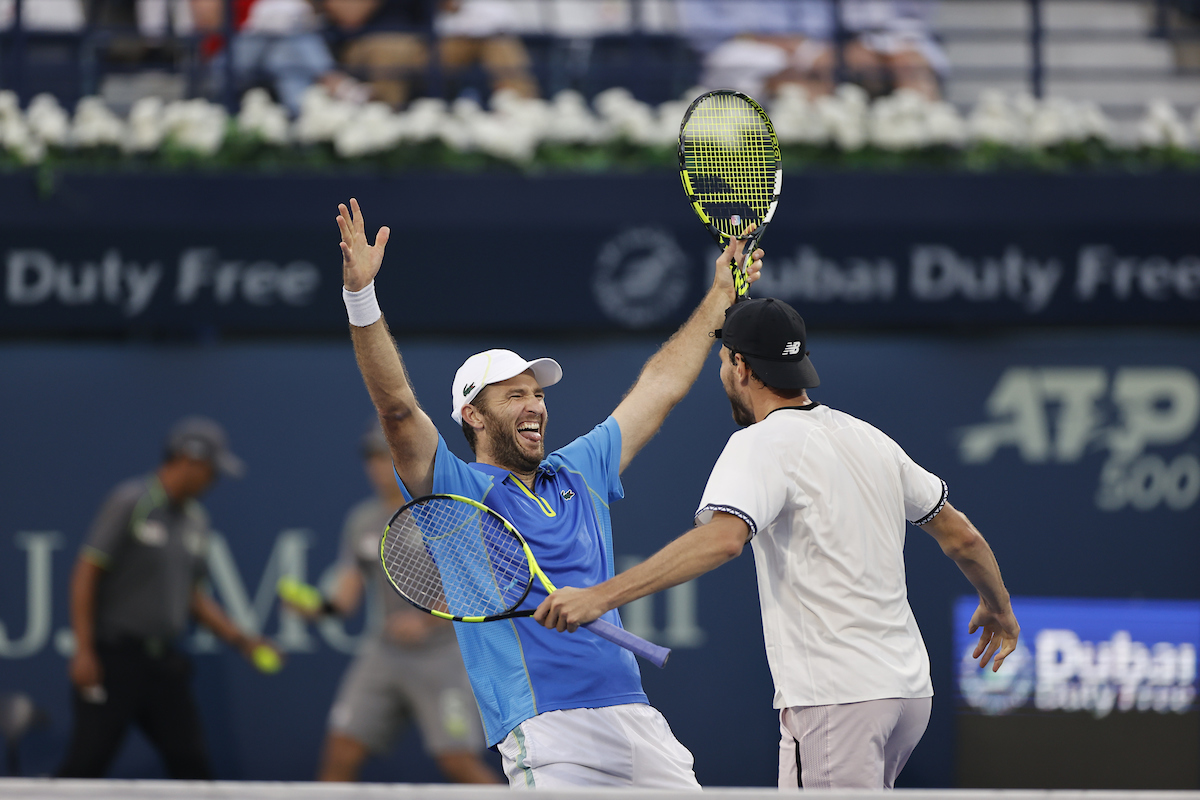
493, 366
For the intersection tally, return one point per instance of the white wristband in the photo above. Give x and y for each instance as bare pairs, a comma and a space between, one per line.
361, 306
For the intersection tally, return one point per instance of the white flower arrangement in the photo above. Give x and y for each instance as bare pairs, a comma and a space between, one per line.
1163, 127
95, 125
262, 117
48, 121
515, 127
196, 125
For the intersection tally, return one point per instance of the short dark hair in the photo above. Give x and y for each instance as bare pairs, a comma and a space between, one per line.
787, 394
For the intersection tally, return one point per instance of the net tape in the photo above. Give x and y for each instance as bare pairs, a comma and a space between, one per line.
453, 557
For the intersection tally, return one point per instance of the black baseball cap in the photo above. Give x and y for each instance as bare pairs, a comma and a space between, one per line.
204, 439
770, 335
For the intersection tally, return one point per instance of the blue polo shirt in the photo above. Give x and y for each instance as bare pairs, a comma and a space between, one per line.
518, 668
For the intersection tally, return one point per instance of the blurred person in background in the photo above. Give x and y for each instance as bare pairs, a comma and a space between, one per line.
384, 42
889, 45
277, 43
409, 667
44, 15
136, 584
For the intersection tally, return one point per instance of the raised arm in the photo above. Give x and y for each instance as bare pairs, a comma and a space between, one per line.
670, 372
410, 432
965, 545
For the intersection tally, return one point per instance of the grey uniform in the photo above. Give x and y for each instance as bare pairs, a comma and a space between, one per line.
152, 554
390, 683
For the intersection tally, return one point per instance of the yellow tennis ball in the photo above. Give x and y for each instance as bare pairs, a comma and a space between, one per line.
300, 594
266, 659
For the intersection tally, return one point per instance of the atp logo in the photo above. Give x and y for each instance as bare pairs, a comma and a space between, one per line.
791, 348
1062, 414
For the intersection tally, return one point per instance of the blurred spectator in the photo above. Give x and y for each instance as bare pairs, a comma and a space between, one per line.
385, 43
277, 43
757, 46
43, 15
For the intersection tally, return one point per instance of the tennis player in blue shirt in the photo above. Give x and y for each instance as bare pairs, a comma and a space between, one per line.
562, 710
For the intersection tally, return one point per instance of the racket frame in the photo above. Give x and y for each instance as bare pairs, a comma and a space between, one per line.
720, 237
655, 654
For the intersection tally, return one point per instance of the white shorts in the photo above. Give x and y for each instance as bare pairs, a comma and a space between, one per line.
625, 745
849, 746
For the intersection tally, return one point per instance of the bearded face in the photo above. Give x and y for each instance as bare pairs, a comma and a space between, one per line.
741, 412
509, 442
514, 423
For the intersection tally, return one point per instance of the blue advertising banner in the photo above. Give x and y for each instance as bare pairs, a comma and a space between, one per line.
1099, 694
1098, 656
1076, 454
197, 254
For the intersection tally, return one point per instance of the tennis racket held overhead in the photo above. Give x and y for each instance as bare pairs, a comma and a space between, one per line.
731, 169
457, 559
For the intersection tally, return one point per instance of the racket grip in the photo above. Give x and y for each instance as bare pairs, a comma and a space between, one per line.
653, 653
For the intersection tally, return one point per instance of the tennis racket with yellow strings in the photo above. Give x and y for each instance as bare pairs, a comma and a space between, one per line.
457, 559
731, 170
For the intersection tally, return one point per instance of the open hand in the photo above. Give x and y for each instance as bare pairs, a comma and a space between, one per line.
999, 636
360, 260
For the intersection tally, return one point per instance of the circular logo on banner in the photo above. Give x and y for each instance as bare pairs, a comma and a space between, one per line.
997, 692
641, 277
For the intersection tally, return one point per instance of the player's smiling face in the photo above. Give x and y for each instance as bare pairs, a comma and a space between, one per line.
514, 413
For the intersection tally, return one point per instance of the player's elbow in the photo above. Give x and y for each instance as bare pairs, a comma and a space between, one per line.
730, 539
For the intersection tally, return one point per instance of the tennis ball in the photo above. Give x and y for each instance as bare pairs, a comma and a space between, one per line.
266, 660
299, 594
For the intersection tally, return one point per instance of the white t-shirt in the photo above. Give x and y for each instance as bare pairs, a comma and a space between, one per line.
826, 497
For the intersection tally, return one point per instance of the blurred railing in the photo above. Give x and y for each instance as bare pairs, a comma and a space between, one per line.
590, 45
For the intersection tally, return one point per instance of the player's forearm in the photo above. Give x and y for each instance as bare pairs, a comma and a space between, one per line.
671, 371
698, 551
382, 369
979, 565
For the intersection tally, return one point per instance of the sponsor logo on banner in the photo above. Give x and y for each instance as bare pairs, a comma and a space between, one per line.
1081, 658
1136, 417
40, 624
37, 277
940, 273
641, 277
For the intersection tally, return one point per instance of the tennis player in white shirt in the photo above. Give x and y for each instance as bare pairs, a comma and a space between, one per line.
823, 498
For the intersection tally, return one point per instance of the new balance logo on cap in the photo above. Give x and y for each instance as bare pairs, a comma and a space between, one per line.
791, 348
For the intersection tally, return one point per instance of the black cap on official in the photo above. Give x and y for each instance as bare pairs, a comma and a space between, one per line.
204, 439
770, 336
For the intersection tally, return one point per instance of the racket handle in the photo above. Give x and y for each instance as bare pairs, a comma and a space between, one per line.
740, 286
653, 653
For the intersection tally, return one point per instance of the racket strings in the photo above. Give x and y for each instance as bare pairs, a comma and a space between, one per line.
455, 558
731, 158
